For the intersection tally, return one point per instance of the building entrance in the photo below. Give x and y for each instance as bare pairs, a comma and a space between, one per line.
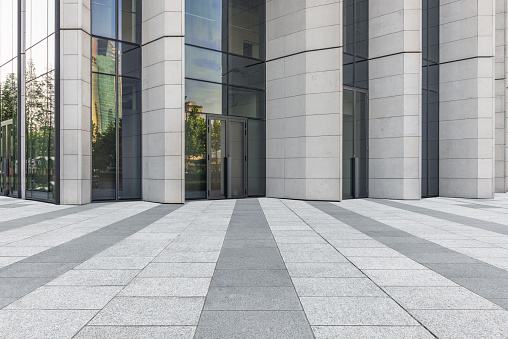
355, 144
226, 160
7, 158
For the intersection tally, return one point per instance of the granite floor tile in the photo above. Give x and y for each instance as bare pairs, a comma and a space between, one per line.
136, 332
167, 287
337, 287
250, 278
371, 332
408, 278
187, 257
324, 270
178, 270
95, 278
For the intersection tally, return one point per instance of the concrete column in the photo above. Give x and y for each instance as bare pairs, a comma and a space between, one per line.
500, 89
163, 101
75, 102
304, 99
467, 99
395, 68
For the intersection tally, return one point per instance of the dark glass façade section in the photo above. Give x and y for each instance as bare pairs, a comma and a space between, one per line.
9, 152
116, 99
355, 136
40, 106
430, 98
225, 98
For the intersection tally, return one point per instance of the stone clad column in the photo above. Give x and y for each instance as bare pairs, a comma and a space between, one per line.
395, 68
467, 92
304, 99
163, 101
75, 102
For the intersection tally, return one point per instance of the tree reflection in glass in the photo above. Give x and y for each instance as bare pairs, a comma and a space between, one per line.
195, 152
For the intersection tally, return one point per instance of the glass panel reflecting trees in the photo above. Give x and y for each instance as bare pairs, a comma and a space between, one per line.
40, 100
116, 100
9, 154
430, 99
225, 74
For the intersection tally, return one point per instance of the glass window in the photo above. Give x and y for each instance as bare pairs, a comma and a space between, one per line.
103, 56
246, 103
129, 126
246, 72
39, 20
348, 27
129, 27
204, 97
37, 60
130, 60
204, 23
103, 137
104, 18
247, 28
204, 64
256, 166
195, 155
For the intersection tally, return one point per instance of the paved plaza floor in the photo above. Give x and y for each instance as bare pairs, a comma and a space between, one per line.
255, 268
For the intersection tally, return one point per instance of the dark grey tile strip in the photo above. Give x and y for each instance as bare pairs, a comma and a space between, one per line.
478, 223
34, 219
483, 279
22, 277
251, 294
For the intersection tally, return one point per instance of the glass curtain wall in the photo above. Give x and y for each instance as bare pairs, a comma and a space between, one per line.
225, 75
116, 99
9, 155
430, 99
355, 98
40, 100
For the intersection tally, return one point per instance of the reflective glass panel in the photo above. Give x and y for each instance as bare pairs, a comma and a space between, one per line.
204, 97
217, 154
204, 24
103, 137
103, 56
195, 155
246, 103
246, 72
104, 18
247, 28
348, 144
129, 26
129, 60
236, 153
129, 132
203, 64
39, 20
361, 144
256, 155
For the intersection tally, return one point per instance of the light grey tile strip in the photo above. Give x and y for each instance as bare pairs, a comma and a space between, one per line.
478, 223
34, 219
251, 294
22, 277
483, 279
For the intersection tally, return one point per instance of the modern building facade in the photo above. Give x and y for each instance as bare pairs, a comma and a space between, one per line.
171, 100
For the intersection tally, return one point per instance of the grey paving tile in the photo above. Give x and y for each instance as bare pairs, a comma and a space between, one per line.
443, 258
6, 301
36, 324
468, 270
486, 287
178, 270
253, 325
408, 278
167, 287
252, 299
438, 298
136, 332
18, 287
314, 257
371, 332
306, 248
261, 278
476, 324
337, 287
241, 243
376, 263
15, 251
252, 261
35, 270
138, 311
114, 263
67, 298
501, 302
300, 240
323, 270
355, 311
172, 256
95, 278
370, 252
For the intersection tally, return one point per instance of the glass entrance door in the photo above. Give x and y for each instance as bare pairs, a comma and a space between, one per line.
355, 145
7, 161
226, 158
